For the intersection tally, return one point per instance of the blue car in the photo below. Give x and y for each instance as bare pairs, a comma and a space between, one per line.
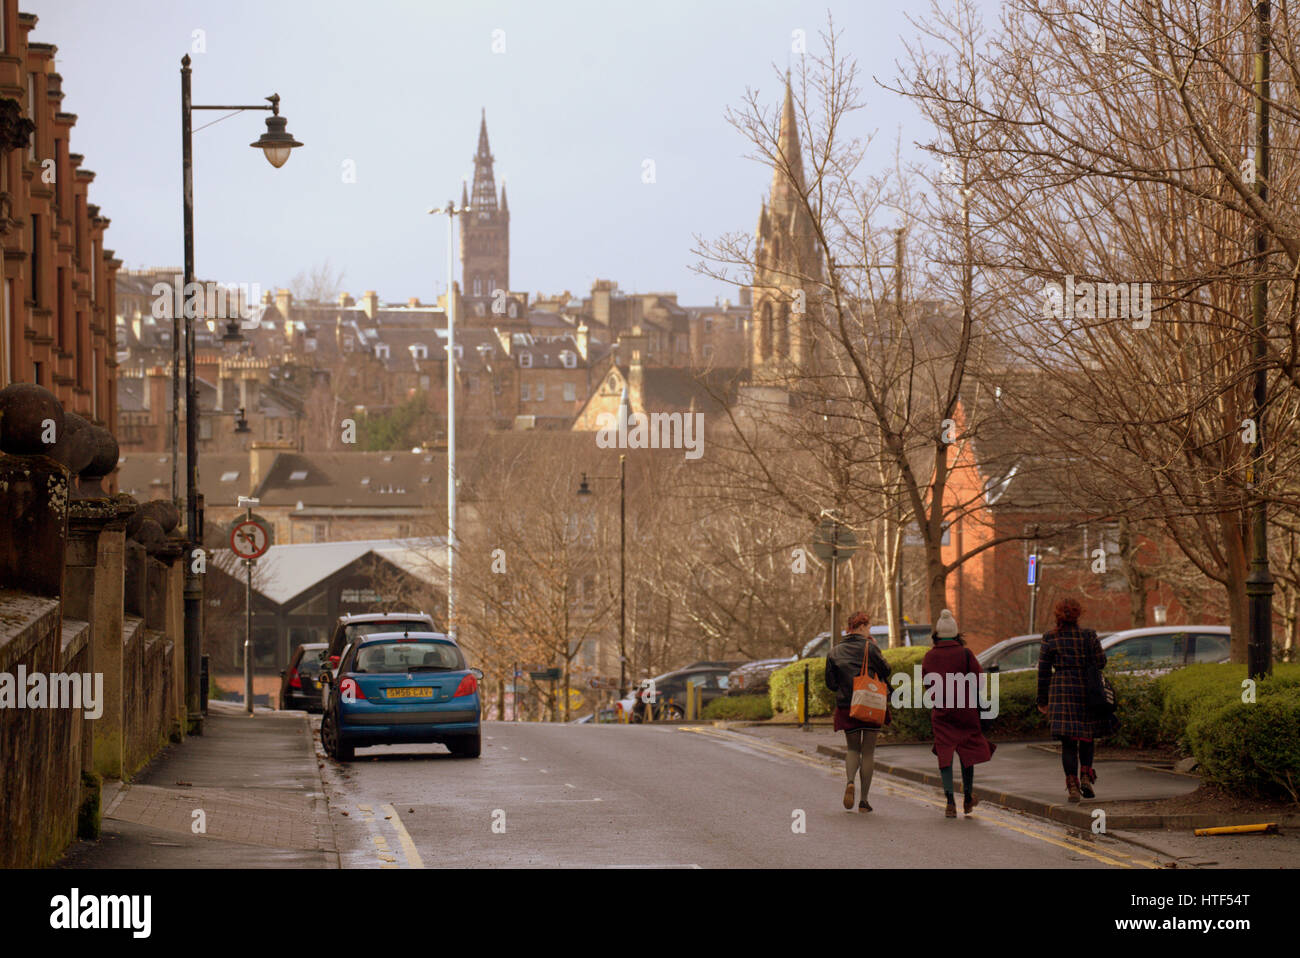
399, 687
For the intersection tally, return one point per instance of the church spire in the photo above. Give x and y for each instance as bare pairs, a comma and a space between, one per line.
485, 191
785, 192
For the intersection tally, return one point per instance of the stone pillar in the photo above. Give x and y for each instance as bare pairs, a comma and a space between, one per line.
86, 520
110, 584
33, 491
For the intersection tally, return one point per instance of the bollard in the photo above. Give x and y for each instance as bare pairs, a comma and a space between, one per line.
803, 696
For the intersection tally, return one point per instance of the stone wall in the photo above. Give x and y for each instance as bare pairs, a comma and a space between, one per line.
91, 586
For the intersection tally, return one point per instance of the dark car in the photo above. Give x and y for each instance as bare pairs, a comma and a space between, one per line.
349, 628
666, 694
300, 685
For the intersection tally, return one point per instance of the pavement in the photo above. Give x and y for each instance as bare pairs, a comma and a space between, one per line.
245, 794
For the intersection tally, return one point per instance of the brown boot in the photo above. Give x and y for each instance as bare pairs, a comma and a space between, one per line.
1072, 788
951, 810
1086, 779
969, 804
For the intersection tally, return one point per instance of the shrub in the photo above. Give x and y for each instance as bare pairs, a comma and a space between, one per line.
1018, 715
752, 708
1139, 700
783, 687
1206, 687
1251, 748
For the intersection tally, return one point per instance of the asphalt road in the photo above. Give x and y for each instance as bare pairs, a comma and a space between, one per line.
667, 796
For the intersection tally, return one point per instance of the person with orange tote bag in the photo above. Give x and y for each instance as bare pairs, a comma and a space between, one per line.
859, 676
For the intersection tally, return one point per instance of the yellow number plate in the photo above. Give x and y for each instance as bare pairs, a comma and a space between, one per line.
409, 693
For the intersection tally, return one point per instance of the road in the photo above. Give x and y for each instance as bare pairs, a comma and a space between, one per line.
664, 796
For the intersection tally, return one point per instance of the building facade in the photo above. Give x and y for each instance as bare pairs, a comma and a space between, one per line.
57, 307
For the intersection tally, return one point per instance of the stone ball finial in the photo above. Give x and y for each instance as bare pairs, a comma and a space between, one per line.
162, 512
150, 535
31, 419
76, 445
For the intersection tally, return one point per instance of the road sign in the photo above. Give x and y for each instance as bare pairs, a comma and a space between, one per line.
249, 539
834, 538
1033, 569
546, 675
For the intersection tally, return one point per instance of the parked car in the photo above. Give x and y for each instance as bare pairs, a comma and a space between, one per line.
754, 677
402, 687
913, 634
349, 628
300, 684
669, 699
1016, 654
1160, 648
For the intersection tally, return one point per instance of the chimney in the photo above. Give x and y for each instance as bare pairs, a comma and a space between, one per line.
346, 301
635, 372
283, 301
602, 293
413, 302
261, 456
157, 391
583, 340
370, 303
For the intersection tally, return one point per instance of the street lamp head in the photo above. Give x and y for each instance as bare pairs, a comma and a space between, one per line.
241, 423
232, 333
276, 142
584, 489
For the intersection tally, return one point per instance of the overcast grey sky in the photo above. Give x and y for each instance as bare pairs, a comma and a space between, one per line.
584, 92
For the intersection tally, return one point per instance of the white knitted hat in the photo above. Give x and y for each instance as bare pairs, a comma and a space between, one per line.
946, 627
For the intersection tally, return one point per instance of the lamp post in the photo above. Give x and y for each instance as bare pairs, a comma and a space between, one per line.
585, 490
451, 211
1259, 584
275, 143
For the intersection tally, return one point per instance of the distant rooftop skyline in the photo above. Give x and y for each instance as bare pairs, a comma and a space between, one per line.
578, 96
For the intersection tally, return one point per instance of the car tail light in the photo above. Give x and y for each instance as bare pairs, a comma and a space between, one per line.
468, 686
350, 690
295, 681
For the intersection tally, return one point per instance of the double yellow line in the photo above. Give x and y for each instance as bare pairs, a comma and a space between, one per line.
382, 849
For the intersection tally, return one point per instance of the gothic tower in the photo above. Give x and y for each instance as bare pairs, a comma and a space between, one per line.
787, 267
484, 233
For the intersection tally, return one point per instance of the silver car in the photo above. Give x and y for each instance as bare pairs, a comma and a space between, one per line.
1159, 648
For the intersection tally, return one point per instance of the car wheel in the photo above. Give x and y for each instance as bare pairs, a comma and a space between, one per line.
673, 712
335, 748
470, 746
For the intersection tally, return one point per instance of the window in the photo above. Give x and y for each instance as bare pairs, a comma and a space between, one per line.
478, 286
229, 476
541, 391
526, 360
1022, 657
298, 475
570, 393
1210, 647
569, 360
525, 392
381, 351
708, 324
708, 351
419, 351
320, 532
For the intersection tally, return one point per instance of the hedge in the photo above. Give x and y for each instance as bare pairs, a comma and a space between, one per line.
783, 688
1251, 748
1208, 687
739, 707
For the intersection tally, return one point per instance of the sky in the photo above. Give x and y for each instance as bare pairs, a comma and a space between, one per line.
578, 95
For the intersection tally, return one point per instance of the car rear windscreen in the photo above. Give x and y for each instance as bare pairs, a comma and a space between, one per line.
359, 629
408, 655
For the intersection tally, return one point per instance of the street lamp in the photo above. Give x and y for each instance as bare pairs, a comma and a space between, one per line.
276, 144
451, 211
585, 490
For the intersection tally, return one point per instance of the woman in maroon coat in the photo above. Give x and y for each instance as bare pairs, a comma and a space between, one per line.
1063, 662
955, 717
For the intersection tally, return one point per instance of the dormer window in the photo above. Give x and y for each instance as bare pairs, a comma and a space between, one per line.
526, 360
419, 351
569, 359
382, 351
